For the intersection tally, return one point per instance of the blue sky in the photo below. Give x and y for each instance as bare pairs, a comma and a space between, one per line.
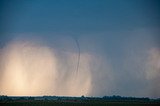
78, 16
121, 32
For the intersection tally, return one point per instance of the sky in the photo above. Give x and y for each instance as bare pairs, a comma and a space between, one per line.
114, 43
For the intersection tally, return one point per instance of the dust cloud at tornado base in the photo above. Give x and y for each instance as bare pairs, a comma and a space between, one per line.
30, 69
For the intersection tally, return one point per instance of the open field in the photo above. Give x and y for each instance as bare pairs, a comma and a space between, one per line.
91, 103
77, 101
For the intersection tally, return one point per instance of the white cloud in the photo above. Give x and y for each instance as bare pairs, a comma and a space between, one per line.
32, 69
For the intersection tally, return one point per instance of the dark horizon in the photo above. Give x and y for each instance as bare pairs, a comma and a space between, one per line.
105, 96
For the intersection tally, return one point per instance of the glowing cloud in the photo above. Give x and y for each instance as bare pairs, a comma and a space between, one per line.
153, 72
29, 68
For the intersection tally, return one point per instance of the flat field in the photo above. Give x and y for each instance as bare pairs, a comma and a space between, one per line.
76, 103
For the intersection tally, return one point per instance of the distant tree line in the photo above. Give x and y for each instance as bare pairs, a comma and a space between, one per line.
119, 98
82, 98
